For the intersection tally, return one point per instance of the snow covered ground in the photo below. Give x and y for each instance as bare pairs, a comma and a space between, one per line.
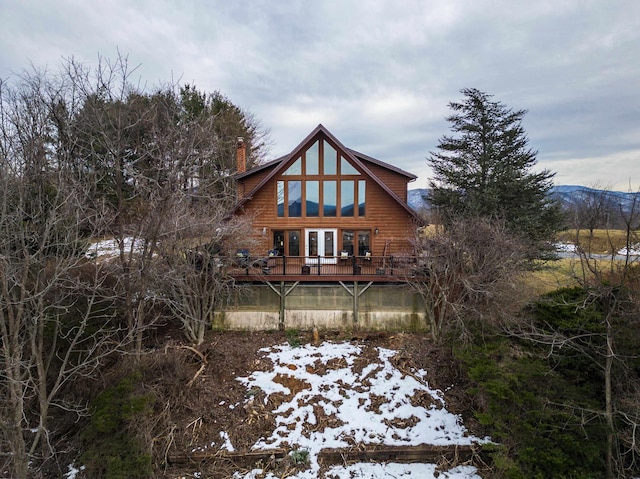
109, 247
378, 471
634, 250
368, 407
570, 248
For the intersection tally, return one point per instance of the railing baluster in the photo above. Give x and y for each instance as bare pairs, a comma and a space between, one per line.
395, 266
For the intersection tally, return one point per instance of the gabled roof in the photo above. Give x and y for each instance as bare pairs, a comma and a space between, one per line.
370, 159
358, 159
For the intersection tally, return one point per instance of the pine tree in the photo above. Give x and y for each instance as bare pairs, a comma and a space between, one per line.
485, 170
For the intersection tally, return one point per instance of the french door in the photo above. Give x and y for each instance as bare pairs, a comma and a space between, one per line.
321, 243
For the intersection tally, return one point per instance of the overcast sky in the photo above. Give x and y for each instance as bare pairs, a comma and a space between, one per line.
378, 74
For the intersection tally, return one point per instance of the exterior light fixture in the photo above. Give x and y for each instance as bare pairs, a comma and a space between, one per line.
376, 231
264, 231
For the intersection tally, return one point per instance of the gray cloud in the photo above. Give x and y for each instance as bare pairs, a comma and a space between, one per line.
379, 74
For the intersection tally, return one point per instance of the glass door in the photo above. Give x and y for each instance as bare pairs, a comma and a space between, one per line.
322, 243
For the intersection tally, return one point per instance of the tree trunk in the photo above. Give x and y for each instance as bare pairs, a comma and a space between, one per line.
608, 400
14, 431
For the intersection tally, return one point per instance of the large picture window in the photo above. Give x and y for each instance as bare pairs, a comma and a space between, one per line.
314, 185
280, 196
362, 190
311, 160
312, 202
295, 198
329, 159
346, 197
330, 196
295, 168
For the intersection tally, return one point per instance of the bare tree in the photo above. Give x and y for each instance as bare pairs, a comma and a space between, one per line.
466, 272
120, 143
594, 208
195, 281
55, 324
156, 161
610, 286
87, 155
613, 285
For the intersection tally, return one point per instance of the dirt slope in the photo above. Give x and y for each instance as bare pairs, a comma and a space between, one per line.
198, 391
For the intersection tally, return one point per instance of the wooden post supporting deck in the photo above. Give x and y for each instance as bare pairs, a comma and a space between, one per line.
282, 294
283, 297
356, 293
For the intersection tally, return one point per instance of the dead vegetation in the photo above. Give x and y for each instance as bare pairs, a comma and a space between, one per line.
199, 406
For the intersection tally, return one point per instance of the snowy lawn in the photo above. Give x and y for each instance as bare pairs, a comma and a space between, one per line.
109, 248
373, 406
633, 250
329, 396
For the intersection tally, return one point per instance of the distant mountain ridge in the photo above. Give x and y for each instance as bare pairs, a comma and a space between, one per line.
568, 195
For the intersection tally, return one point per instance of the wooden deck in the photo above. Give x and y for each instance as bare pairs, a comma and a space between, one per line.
315, 269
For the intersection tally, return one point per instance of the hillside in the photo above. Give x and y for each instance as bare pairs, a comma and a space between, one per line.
568, 195
242, 398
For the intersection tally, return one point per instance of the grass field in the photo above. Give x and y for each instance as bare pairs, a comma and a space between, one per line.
563, 273
552, 275
601, 242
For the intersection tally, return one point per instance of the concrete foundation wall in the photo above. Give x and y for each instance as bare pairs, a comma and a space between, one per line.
326, 306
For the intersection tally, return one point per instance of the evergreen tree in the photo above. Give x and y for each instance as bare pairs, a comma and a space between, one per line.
485, 170
226, 122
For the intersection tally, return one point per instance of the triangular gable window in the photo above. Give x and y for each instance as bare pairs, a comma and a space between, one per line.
320, 183
320, 160
295, 168
311, 161
347, 168
329, 159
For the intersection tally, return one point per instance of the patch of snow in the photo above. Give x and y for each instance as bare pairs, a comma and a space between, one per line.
375, 471
346, 396
565, 248
109, 247
73, 471
227, 446
633, 251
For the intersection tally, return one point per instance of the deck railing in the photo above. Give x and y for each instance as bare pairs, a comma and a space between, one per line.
397, 266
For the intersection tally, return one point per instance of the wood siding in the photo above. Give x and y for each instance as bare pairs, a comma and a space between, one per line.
251, 181
395, 181
392, 220
394, 224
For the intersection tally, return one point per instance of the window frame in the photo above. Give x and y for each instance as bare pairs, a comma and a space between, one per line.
357, 179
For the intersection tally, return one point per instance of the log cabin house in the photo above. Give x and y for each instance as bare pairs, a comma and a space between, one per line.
325, 212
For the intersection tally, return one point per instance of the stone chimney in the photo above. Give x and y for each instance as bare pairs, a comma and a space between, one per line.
241, 156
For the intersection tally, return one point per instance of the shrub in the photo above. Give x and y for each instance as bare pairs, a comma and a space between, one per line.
112, 450
530, 407
293, 337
